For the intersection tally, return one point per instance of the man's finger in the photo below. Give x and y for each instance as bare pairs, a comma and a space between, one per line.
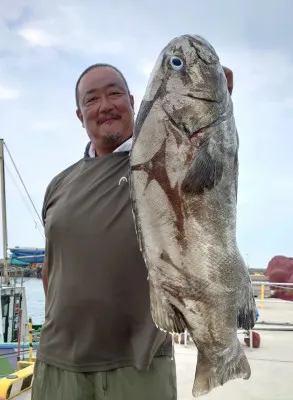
229, 77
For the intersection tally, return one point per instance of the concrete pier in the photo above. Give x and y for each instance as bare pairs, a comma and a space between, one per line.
271, 364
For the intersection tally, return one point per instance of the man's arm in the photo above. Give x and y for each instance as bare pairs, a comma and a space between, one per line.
45, 276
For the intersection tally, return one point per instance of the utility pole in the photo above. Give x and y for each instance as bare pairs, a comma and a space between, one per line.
4, 215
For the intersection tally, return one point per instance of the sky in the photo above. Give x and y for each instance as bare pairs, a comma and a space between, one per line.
45, 45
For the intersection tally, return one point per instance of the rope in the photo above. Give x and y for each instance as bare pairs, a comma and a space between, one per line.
23, 184
24, 200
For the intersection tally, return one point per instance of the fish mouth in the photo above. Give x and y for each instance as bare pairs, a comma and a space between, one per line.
204, 97
182, 126
201, 130
191, 134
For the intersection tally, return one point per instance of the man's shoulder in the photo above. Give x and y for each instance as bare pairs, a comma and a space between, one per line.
59, 178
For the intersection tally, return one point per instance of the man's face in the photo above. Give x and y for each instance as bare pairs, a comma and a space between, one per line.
105, 108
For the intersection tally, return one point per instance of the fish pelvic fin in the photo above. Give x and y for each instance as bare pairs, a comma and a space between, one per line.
209, 377
165, 315
246, 317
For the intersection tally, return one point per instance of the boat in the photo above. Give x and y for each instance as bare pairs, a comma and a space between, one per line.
32, 257
16, 344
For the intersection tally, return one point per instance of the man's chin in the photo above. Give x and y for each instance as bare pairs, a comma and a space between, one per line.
112, 138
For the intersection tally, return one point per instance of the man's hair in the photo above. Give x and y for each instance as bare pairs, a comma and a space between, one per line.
94, 66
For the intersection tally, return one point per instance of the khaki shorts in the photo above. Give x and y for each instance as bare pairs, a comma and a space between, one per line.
158, 383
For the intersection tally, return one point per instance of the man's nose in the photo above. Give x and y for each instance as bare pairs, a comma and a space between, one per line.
105, 104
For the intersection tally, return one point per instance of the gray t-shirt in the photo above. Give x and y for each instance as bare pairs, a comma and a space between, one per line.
97, 307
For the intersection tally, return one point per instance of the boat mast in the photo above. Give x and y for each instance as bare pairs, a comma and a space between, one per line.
4, 215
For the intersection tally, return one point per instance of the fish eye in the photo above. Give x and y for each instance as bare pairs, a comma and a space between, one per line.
176, 63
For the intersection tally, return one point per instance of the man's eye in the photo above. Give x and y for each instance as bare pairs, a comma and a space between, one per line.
91, 99
115, 93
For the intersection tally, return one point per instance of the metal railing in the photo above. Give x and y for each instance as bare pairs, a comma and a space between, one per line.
276, 314
261, 302
279, 285
15, 276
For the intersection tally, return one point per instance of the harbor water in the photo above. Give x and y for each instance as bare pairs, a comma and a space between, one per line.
35, 299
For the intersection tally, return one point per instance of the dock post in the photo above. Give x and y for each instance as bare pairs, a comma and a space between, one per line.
30, 338
262, 296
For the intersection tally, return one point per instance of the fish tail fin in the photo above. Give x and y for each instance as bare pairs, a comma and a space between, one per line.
165, 315
208, 377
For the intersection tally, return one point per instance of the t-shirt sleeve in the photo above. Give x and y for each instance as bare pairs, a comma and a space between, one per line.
49, 191
44, 211
46, 200
53, 185
44, 207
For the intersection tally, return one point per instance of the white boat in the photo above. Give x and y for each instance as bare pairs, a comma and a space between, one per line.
16, 359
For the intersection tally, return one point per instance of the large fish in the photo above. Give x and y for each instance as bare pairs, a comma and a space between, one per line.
183, 180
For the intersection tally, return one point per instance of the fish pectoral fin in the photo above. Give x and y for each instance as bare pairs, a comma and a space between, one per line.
165, 315
209, 376
205, 172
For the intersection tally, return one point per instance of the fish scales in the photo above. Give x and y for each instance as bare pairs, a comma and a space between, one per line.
183, 185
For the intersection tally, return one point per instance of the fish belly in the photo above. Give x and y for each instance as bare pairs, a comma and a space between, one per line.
187, 289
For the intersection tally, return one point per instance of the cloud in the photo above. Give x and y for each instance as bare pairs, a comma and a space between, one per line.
66, 30
44, 46
37, 37
7, 93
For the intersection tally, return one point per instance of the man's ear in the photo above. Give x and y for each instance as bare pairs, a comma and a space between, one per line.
79, 116
131, 101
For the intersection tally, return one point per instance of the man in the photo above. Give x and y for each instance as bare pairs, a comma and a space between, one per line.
98, 340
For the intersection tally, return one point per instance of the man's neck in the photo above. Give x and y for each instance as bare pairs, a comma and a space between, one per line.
124, 146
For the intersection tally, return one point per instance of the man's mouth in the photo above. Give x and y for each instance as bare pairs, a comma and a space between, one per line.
109, 121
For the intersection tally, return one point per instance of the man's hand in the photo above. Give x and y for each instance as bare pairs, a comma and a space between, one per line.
229, 76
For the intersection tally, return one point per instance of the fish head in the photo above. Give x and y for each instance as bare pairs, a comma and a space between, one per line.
188, 84
185, 122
